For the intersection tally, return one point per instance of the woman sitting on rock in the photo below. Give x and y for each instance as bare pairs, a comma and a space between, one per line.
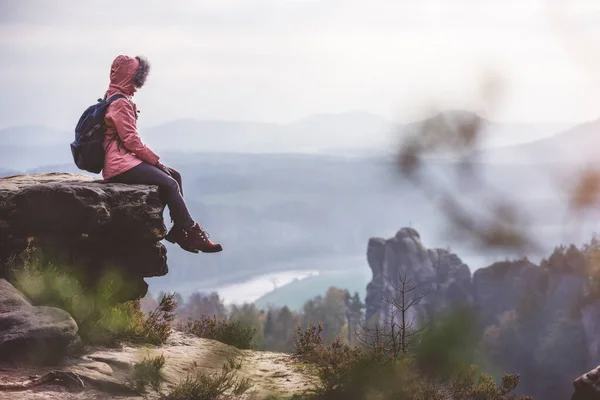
128, 160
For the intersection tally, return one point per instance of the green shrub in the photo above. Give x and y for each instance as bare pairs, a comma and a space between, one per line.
342, 367
148, 373
218, 385
127, 323
472, 384
441, 368
102, 319
157, 324
232, 333
359, 375
308, 341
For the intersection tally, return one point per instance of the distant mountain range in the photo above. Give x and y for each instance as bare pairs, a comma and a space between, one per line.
577, 146
25, 147
316, 134
355, 133
490, 135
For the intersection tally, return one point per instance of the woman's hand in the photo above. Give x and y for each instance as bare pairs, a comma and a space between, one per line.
162, 167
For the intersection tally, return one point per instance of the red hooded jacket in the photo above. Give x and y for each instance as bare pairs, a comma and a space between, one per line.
120, 119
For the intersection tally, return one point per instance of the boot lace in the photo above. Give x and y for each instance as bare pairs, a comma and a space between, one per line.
201, 232
204, 235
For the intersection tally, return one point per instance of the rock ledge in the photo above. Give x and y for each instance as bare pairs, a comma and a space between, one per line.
94, 226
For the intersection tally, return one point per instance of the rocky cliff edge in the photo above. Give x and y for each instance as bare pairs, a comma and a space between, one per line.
70, 219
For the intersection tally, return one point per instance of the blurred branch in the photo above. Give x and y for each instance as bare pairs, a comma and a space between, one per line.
456, 141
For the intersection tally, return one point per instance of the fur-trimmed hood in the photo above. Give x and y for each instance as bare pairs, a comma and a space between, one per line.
127, 74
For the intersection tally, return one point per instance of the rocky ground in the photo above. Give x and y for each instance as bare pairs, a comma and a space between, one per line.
104, 372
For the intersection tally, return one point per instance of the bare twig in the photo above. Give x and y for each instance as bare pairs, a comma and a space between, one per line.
394, 339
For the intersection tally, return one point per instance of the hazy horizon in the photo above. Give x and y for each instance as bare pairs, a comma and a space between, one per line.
324, 133
143, 125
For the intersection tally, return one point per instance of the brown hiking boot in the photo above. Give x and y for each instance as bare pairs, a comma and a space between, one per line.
179, 236
197, 238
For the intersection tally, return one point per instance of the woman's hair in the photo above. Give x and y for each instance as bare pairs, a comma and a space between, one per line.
139, 78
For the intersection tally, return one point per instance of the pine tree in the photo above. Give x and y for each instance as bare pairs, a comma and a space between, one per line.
354, 314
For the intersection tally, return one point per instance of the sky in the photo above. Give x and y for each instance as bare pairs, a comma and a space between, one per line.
281, 60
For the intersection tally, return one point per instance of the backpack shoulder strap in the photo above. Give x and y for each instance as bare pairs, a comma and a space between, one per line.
115, 97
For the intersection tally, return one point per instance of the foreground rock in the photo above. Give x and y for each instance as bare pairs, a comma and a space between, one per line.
94, 227
105, 372
587, 386
30, 334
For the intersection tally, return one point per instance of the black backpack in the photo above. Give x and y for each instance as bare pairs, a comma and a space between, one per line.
88, 147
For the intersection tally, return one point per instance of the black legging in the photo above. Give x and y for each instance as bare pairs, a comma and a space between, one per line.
170, 187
